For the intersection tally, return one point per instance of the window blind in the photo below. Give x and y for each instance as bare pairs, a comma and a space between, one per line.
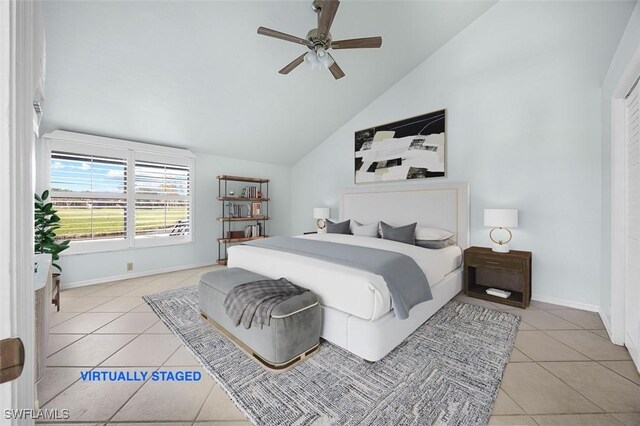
162, 199
89, 193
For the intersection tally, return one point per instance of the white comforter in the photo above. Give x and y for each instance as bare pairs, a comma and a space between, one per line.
350, 290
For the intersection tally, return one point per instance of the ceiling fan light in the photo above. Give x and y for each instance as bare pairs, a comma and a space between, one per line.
321, 53
312, 60
327, 60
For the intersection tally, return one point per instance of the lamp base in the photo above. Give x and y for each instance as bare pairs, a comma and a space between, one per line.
500, 248
321, 224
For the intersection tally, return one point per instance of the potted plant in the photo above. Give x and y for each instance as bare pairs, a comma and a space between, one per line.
46, 223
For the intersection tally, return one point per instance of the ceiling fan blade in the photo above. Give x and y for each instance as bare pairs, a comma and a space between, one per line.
297, 61
336, 71
282, 36
357, 43
327, 13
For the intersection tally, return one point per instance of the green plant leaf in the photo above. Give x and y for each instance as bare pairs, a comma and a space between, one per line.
55, 265
45, 194
37, 197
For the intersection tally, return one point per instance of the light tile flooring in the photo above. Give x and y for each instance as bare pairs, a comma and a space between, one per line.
563, 370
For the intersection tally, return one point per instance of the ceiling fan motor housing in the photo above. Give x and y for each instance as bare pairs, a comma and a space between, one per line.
318, 40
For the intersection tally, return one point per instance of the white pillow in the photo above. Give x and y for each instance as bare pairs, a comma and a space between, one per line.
432, 234
369, 230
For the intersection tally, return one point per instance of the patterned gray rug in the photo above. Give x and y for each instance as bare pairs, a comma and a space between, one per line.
447, 372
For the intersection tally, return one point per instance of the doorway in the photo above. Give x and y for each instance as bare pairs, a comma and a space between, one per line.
625, 218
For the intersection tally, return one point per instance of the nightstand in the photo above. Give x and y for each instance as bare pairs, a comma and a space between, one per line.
511, 271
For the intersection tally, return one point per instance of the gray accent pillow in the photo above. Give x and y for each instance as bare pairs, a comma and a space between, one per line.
403, 234
338, 227
369, 230
436, 244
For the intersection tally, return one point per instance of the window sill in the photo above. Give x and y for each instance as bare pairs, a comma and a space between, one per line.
90, 247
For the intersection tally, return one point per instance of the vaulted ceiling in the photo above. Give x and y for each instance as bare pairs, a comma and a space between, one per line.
196, 74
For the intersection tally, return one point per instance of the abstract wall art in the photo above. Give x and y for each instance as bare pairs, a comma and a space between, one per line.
413, 148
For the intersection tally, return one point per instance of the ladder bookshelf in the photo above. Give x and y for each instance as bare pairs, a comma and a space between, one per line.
249, 207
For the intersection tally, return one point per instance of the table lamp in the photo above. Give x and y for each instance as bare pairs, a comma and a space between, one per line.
500, 219
320, 214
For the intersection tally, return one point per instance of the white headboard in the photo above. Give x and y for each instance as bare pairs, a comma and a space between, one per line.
439, 205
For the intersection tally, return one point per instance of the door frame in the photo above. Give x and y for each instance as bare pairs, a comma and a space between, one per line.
618, 199
19, 24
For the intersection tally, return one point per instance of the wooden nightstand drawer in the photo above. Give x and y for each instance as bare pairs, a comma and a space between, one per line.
493, 261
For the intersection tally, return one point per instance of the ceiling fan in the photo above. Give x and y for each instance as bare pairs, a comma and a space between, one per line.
319, 41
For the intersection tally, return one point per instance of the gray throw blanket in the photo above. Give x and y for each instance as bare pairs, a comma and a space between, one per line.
405, 280
252, 303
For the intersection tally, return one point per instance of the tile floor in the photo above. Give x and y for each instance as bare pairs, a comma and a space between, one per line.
563, 369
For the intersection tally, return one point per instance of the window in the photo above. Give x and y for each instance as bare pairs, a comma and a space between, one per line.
162, 200
90, 194
120, 195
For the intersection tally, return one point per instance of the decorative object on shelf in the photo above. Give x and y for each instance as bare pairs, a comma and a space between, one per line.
249, 206
319, 41
500, 220
235, 234
413, 148
498, 277
321, 214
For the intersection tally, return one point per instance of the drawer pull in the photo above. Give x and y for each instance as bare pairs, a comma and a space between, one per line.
493, 263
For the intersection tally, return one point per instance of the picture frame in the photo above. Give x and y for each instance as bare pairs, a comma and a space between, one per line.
256, 209
412, 148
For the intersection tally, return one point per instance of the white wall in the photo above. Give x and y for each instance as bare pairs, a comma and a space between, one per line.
629, 43
521, 86
96, 267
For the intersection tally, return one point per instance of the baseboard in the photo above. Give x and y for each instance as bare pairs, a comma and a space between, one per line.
567, 303
606, 323
103, 280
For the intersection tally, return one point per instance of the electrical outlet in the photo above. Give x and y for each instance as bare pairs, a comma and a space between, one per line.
129, 266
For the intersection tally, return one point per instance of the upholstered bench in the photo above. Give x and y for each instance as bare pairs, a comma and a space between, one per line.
293, 331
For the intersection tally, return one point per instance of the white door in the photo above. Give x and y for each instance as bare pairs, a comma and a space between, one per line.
20, 59
632, 284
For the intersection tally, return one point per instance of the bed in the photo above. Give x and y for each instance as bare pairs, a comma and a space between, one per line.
357, 309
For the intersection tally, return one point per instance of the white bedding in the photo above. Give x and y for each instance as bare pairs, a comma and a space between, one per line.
350, 290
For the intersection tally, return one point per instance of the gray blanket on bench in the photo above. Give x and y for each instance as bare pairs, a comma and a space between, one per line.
252, 303
405, 280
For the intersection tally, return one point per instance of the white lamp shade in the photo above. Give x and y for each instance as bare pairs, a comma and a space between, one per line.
501, 218
321, 212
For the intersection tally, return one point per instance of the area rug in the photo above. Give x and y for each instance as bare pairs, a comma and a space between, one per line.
447, 372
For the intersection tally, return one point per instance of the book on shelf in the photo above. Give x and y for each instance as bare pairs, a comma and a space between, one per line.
251, 192
498, 292
239, 210
252, 231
